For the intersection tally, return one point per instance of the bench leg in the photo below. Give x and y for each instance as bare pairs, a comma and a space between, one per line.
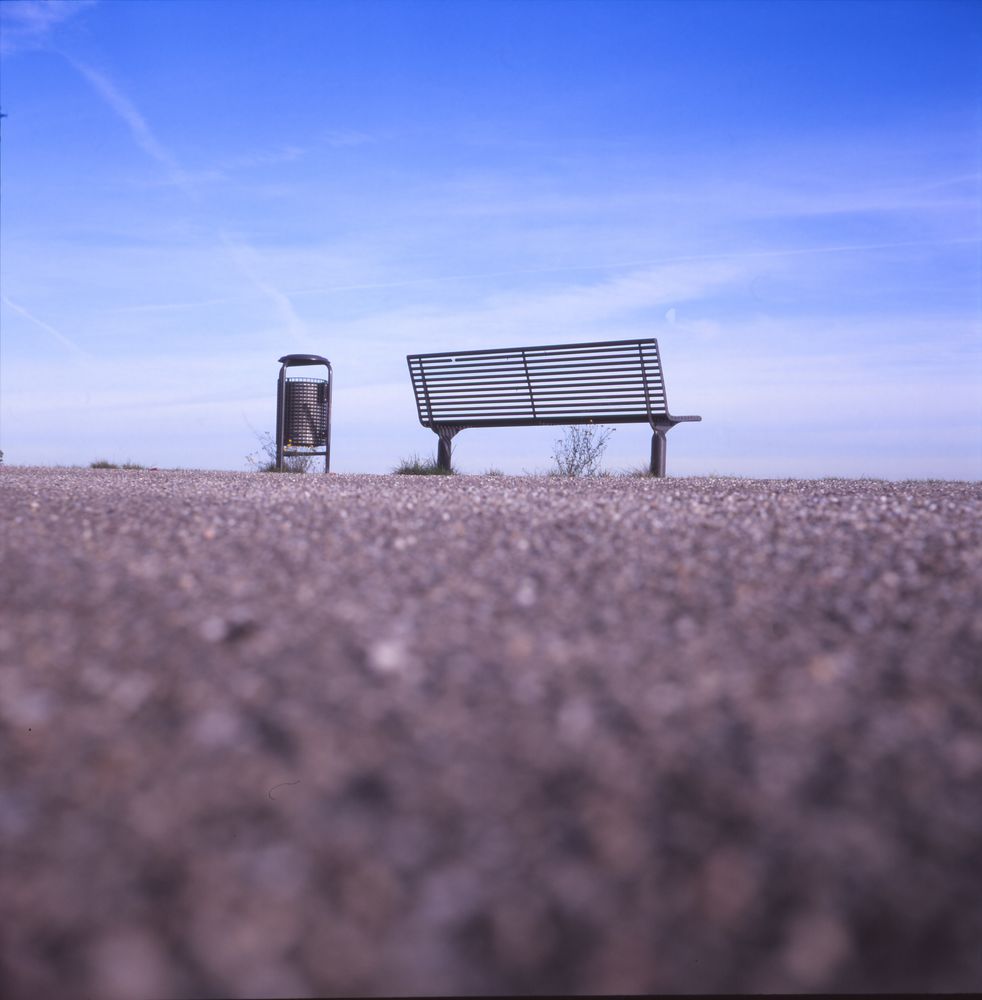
443, 453
659, 444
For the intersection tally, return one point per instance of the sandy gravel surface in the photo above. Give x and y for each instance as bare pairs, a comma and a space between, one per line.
267, 735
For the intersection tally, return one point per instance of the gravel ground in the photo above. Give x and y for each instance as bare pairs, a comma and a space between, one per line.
281, 735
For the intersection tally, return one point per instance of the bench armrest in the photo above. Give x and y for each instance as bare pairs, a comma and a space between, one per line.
679, 420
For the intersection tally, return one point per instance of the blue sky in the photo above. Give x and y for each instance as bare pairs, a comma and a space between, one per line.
789, 196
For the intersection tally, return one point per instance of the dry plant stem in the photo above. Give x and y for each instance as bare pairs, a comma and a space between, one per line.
264, 458
580, 450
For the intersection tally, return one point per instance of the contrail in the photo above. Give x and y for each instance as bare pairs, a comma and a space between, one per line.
239, 253
144, 137
142, 134
57, 334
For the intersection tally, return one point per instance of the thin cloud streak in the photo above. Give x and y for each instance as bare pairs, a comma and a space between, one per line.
244, 257
151, 307
140, 130
653, 262
47, 327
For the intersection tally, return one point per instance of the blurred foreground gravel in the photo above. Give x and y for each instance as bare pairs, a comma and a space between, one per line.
283, 735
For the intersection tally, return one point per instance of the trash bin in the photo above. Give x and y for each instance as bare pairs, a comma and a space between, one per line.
303, 411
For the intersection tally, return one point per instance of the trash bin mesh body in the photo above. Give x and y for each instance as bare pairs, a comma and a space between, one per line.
305, 413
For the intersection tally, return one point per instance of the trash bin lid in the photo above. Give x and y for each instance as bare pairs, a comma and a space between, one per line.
303, 359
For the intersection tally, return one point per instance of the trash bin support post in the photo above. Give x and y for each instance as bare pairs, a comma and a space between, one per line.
330, 397
280, 403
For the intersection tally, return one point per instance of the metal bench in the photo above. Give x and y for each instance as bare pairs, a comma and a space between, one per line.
609, 382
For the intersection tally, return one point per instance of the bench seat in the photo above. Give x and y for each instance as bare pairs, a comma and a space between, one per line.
606, 382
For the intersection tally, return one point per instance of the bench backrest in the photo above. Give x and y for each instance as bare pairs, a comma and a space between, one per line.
617, 381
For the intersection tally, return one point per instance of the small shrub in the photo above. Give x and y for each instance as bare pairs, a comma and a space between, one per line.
263, 459
580, 450
104, 463
416, 466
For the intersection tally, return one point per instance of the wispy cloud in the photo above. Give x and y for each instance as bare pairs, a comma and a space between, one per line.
273, 157
911, 171
376, 338
246, 260
47, 327
172, 307
339, 139
226, 170
243, 257
139, 128
145, 137
28, 24
775, 254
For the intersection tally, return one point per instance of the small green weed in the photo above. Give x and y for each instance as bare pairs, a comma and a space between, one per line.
416, 466
103, 463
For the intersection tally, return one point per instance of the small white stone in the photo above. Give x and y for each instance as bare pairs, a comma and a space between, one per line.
216, 727
817, 945
131, 963
132, 691
389, 656
213, 629
575, 720
25, 707
526, 594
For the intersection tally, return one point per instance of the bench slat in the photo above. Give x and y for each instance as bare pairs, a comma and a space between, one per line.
595, 360
579, 378
539, 374
450, 393
450, 397
552, 420
545, 389
470, 361
552, 349
542, 405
